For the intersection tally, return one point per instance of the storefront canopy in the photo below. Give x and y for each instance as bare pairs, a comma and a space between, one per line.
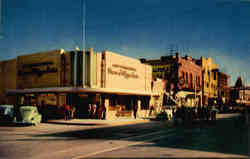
79, 90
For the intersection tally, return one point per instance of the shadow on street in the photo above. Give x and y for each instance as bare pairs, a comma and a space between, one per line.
224, 136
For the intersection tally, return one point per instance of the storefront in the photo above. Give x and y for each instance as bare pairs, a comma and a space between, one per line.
115, 82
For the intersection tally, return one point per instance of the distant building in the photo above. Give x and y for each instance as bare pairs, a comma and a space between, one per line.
182, 75
209, 81
239, 93
223, 89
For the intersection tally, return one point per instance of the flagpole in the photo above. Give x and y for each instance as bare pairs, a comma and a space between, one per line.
84, 41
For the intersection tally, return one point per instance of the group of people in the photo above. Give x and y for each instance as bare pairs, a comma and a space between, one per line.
97, 111
189, 115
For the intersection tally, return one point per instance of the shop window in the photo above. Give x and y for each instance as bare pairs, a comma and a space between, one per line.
145, 103
113, 100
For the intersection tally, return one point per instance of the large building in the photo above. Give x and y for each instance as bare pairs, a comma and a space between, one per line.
81, 79
183, 77
8, 78
209, 81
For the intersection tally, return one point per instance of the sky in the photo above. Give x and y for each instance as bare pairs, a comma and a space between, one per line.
137, 28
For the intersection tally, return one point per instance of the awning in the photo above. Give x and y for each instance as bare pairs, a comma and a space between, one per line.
79, 90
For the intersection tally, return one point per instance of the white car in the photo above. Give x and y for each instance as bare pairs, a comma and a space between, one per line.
29, 115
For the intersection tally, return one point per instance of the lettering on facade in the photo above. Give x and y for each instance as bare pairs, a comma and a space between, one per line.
37, 68
123, 71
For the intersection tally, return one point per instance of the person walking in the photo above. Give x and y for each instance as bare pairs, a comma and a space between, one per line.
104, 113
72, 112
67, 112
135, 111
94, 111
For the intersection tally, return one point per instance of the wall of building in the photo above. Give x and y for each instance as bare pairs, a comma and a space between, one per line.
121, 72
8, 78
210, 84
39, 70
190, 75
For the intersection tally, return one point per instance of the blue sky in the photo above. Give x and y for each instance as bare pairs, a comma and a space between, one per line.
136, 28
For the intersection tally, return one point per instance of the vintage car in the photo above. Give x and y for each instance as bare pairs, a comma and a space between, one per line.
6, 113
29, 115
166, 112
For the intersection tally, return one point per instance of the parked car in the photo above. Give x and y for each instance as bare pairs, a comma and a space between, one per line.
168, 110
7, 113
29, 115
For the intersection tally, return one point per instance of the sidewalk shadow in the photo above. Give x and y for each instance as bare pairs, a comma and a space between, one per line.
76, 124
168, 158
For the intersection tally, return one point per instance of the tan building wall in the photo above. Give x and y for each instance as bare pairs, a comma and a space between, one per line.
121, 72
210, 84
7, 80
39, 70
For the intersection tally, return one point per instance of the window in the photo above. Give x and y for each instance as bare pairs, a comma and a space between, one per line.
214, 75
145, 103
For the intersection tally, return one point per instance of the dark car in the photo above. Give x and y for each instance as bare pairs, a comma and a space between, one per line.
6, 113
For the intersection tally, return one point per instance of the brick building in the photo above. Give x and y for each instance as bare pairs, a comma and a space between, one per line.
183, 77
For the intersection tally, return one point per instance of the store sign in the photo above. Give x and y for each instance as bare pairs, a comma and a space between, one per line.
123, 71
37, 68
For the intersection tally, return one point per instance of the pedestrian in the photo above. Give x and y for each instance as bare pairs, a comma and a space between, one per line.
99, 111
43, 111
90, 111
199, 112
104, 113
67, 112
94, 111
213, 116
151, 110
73, 112
135, 111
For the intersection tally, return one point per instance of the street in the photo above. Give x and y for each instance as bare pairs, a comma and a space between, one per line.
78, 139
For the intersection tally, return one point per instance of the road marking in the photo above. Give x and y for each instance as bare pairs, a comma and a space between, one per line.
120, 147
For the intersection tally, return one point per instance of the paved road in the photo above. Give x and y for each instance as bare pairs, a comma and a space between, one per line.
93, 139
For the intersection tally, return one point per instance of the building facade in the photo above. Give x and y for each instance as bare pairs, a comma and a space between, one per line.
8, 78
239, 93
183, 77
82, 79
209, 81
223, 89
